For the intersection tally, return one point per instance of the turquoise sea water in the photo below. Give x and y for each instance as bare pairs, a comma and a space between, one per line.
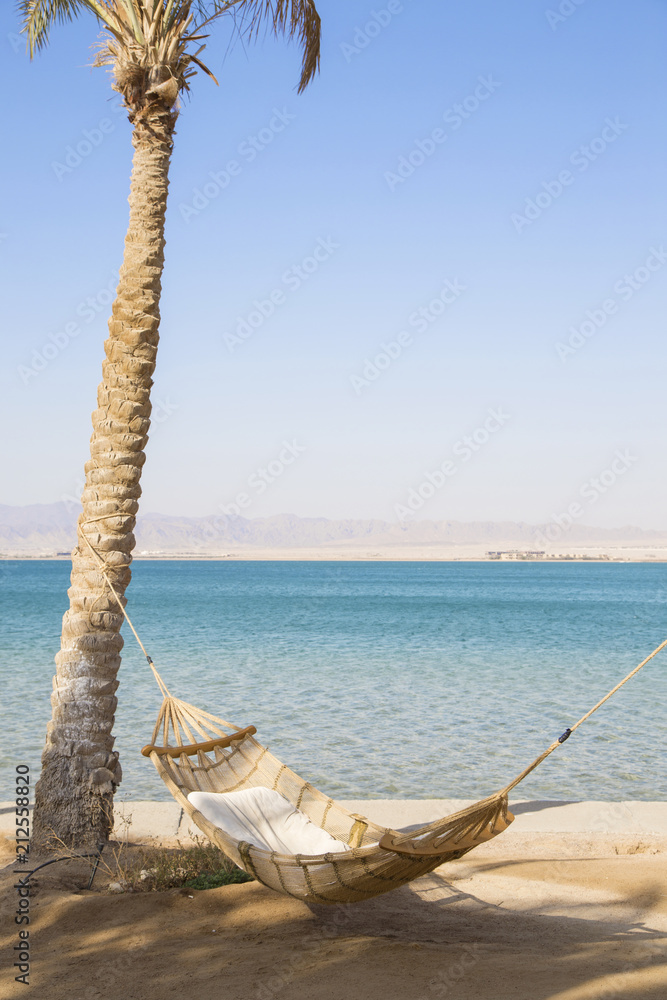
398, 680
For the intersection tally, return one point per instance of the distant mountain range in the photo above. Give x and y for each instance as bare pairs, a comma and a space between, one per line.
49, 529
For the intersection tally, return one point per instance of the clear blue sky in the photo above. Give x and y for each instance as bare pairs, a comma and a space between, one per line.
581, 98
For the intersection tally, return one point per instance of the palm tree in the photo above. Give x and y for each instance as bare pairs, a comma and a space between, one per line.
153, 48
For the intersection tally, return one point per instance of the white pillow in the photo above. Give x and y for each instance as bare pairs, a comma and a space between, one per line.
265, 819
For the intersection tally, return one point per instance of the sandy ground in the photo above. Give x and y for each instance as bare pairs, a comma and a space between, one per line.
540, 917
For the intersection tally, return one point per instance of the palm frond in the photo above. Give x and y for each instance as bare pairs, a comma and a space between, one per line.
206, 70
37, 17
291, 18
148, 43
128, 7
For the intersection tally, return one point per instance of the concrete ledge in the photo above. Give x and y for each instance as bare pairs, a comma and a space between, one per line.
531, 816
144, 820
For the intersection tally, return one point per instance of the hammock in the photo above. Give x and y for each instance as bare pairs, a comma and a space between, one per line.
199, 752
229, 759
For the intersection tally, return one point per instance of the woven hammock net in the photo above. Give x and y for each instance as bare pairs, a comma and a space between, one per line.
367, 870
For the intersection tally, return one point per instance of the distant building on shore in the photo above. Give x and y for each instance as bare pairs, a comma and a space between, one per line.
516, 554
524, 554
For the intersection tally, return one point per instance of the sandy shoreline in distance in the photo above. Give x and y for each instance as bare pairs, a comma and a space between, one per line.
411, 553
550, 915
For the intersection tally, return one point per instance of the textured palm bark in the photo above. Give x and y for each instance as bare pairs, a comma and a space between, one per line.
80, 769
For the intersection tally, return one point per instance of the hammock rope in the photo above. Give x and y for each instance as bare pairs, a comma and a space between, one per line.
102, 565
378, 860
568, 732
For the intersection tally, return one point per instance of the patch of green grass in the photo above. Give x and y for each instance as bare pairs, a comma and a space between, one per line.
224, 876
156, 869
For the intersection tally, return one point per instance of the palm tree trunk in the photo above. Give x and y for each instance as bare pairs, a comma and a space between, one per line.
80, 770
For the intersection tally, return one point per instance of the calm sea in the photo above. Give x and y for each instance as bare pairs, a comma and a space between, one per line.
397, 680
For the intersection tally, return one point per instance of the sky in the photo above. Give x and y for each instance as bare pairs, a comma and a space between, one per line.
431, 286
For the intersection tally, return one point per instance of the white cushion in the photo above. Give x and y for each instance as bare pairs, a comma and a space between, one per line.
265, 819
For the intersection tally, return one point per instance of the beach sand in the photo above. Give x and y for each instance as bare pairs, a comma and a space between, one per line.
563, 906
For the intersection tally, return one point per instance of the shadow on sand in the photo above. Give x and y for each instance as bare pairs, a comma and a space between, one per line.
432, 939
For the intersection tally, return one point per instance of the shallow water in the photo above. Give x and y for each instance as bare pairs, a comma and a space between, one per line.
373, 680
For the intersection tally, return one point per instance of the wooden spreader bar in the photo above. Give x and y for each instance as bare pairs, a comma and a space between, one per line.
455, 840
193, 748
